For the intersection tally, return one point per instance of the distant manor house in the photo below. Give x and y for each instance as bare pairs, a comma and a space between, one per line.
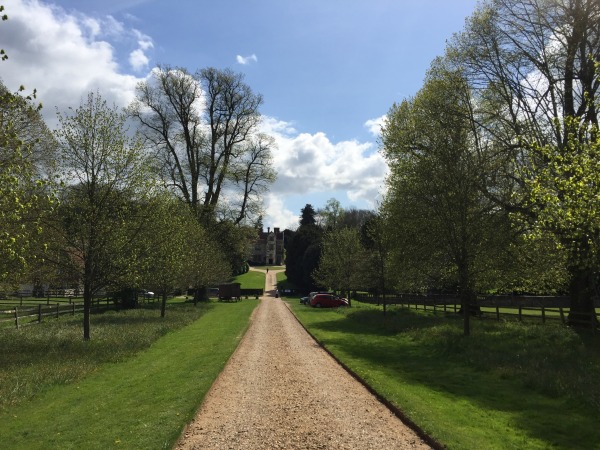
268, 248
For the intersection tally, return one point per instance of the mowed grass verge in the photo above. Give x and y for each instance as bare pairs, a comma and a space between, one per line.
509, 385
251, 280
136, 402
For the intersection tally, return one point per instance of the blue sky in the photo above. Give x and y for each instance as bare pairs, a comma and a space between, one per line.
328, 70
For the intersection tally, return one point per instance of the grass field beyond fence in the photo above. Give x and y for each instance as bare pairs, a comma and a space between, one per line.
510, 385
126, 388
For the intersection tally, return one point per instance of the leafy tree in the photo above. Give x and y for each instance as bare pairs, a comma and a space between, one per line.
25, 194
446, 231
107, 184
375, 240
236, 243
3, 54
331, 214
202, 127
531, 66
565, 199
208, 263
342, 260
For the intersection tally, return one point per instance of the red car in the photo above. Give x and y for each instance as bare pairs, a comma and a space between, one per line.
328, 301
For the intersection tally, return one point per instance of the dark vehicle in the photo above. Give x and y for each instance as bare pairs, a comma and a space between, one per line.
229, 291
328, 301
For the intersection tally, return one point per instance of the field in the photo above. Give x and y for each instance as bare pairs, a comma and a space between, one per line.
134, 385
509, 385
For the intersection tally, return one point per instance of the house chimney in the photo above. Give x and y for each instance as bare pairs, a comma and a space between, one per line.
276, 230
268, 230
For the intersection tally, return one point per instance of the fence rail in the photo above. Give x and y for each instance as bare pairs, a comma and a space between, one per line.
31, 314
544, 308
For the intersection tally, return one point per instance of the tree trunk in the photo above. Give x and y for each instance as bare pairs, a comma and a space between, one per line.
163, 305
87, 306
468, 304
582, 292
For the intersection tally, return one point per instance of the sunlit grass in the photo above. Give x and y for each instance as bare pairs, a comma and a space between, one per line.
134, 385
508, 385
251, 280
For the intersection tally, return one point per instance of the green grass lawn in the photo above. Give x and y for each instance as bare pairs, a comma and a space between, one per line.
510, 385
133, 386
251, 280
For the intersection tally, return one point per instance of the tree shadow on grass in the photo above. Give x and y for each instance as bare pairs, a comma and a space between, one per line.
114, 335
544, 377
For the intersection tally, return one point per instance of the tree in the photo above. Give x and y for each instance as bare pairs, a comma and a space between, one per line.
25, 194
202, 127
342, 261
531, 64
25, 197
375, 240
308, 215
3, 54
303, 251
446, 231
565, 199
208, 263
331, 214
107, 184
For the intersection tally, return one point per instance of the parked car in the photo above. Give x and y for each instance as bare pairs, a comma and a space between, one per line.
321, 300
146, 294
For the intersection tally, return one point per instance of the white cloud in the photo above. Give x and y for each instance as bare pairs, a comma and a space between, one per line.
278, 215
244, 60
374, 125
311, 163
138, 59
63, 56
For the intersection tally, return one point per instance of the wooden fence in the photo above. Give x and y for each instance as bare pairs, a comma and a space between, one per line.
544, 308
32, 311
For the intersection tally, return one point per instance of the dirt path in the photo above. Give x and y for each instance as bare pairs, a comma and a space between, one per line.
281, 390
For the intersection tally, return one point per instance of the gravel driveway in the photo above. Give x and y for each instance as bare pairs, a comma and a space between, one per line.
280, 390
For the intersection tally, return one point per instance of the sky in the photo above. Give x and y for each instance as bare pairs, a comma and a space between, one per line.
329, 70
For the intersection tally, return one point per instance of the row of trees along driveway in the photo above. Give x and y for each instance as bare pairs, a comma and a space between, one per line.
494, 162
168, 205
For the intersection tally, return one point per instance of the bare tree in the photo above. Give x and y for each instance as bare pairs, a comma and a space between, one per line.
200, 126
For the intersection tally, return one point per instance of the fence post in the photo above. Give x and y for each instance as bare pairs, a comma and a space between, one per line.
520, 317
497, 313
543, 314
73, 304
39, 313
17, 317
562, 314
57, 310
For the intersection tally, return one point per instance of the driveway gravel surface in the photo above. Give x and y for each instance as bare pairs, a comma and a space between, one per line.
281, 390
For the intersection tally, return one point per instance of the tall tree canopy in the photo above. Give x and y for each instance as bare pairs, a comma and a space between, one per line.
203, 128
102, 210
446, 230
531, 64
